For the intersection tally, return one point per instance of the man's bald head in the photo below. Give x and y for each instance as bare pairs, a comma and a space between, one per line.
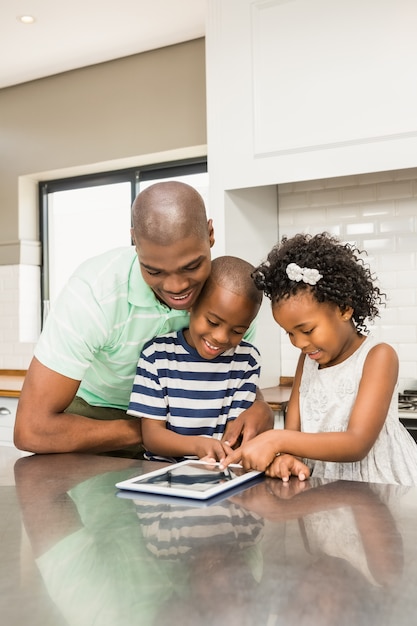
168, 211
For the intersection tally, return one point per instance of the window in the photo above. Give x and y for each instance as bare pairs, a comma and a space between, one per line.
84, 216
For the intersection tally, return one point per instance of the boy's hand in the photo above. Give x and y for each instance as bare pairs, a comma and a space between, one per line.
212, 450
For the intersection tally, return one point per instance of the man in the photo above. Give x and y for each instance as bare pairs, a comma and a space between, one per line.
77, 387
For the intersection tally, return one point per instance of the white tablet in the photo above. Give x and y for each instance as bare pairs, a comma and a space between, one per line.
189, 479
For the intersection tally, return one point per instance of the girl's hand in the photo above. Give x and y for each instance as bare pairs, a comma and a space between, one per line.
286, 465
257, 454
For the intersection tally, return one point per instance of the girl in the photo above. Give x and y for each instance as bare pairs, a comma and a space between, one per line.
342, 414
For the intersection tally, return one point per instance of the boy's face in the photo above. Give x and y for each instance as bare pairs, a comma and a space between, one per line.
218, 321
176, 272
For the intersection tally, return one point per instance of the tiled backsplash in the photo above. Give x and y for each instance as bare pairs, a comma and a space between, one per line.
378, 213
19, 314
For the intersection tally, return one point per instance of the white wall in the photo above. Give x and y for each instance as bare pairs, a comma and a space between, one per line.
251, 221
19, 289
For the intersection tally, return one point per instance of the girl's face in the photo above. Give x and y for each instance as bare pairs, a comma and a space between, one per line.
218, 322
321, 330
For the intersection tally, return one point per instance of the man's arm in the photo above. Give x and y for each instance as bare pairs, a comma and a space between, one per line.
43, 427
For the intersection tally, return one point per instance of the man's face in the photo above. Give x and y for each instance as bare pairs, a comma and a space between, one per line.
176, 272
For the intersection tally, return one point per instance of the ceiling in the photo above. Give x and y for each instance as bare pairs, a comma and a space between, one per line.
77, 33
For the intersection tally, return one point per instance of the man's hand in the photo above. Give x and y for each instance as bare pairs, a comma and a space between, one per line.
212, 450
255, 420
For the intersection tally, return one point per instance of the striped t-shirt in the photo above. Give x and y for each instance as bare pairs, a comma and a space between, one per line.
195, 396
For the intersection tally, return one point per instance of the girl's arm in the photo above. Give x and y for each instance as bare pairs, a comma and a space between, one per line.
292, 415
379, 377
160, 440
286, 465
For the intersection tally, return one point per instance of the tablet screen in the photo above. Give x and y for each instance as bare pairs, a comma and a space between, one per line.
189, 479
192, 477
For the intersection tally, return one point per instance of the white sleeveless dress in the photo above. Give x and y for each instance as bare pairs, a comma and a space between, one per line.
327, 397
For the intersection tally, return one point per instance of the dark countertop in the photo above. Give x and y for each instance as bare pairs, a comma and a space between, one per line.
318, 553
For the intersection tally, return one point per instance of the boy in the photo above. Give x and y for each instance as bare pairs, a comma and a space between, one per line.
191, 382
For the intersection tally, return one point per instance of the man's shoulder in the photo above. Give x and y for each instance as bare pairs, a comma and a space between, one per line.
109, 275
114, 261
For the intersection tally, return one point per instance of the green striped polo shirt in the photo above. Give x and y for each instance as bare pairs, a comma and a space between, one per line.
99, 324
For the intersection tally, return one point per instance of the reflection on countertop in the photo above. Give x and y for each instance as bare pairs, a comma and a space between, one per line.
319, 552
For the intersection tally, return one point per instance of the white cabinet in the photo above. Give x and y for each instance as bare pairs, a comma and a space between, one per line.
308, 89
8, 408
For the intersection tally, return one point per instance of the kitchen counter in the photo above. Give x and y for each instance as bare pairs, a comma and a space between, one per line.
11, 382
315, 553
278, 395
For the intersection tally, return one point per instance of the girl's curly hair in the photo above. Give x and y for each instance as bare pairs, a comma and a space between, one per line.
346, 280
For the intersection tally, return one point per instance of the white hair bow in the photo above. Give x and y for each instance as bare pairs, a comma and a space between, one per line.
307, 275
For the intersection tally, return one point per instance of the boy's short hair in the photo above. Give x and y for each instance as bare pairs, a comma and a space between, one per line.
235, 275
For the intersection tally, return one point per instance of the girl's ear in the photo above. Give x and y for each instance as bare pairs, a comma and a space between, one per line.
346, 313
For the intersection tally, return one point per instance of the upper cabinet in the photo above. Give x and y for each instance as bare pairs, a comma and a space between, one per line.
305, 89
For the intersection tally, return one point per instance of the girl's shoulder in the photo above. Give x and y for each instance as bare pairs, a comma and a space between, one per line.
373, 346
372, 353
381, 351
